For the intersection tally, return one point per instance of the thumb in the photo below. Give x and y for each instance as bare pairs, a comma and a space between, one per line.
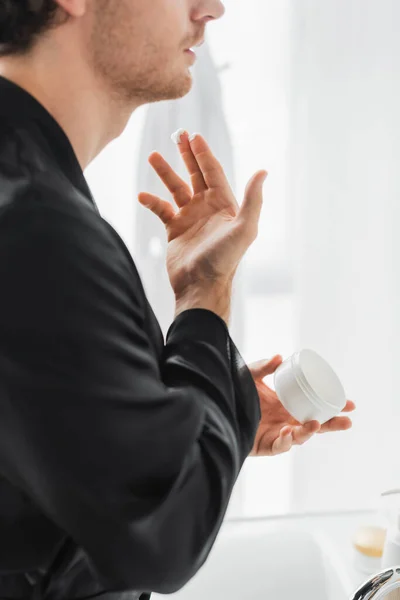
250, 209
262, 368
163, 209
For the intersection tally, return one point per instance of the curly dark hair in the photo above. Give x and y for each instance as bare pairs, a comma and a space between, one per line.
22, 21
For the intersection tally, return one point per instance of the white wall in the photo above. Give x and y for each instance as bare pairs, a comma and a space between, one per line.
345, 194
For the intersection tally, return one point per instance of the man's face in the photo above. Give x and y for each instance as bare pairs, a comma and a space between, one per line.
137, 47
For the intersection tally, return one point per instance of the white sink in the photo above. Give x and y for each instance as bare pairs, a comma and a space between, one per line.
258, 561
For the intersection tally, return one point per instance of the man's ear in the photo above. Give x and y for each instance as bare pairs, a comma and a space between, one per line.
74, 8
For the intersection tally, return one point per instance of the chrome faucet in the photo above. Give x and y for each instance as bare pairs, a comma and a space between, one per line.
379, 586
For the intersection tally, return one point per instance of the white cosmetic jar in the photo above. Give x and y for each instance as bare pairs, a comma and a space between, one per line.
308, 388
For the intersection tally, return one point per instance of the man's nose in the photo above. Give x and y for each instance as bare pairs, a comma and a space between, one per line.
209, 10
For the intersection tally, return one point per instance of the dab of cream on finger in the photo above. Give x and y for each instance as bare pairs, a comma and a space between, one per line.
177, 136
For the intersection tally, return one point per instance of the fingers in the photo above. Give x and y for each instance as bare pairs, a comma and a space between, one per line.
302, 433
163, 209
336, 424
186, 149
179, 189
262, 368
250, 210
298, 435
284, 442
201, 161
339, 423
350, 406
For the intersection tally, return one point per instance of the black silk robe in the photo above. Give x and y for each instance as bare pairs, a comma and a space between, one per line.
118, 449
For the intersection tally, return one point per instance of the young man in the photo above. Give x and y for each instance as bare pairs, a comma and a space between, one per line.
118, 452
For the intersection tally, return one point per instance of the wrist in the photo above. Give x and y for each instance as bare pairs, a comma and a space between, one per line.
216, 298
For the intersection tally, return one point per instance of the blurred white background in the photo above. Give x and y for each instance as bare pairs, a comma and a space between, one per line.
310, 92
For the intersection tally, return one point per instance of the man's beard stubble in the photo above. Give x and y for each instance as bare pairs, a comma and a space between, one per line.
125, 78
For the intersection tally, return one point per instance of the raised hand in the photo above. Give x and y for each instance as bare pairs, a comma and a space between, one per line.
209, 233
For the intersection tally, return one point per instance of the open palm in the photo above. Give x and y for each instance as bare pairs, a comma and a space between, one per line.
278, 430
209, 234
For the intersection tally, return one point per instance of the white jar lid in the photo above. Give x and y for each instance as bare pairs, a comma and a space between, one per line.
316, 375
